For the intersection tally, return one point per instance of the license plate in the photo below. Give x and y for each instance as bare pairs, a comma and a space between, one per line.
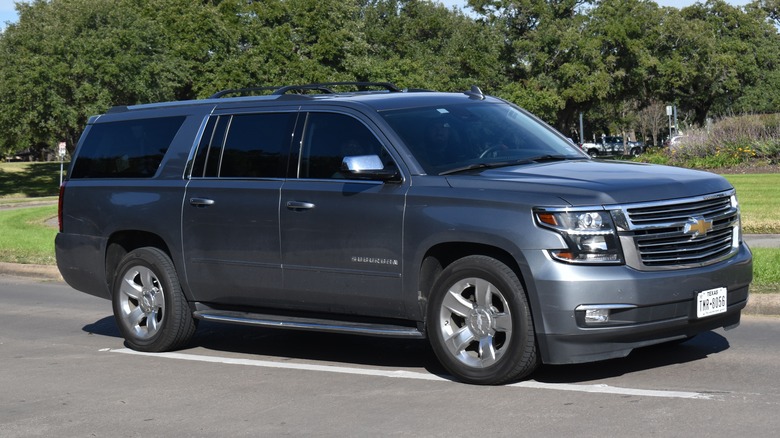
711, 302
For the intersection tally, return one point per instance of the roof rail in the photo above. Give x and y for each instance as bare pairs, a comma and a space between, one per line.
322, 87
325, 87
241, 91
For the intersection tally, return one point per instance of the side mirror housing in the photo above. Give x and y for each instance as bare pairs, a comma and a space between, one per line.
368, 167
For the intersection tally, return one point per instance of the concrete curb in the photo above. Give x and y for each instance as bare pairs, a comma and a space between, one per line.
758, 304
763, 304
40, 272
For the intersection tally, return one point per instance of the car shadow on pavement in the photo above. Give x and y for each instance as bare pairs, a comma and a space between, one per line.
291, 344
103, 327
405, 353
316, 346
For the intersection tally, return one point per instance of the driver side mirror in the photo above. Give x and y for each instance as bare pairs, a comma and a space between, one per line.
368, 167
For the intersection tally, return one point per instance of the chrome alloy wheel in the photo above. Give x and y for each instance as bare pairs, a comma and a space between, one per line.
475, 322
141, 302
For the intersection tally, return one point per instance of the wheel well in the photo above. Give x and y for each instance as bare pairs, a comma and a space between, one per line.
440, 256
121, 243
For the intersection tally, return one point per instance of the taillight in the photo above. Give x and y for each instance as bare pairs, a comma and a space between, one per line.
59, 205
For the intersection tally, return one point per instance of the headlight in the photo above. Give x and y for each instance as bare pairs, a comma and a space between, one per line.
590, 235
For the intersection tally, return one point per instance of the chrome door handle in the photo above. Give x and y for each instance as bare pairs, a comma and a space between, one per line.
201, 202
298, 205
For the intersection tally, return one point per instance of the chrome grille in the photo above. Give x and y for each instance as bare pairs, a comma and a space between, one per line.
665, 235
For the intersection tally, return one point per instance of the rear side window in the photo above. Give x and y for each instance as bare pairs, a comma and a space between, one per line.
245, 146
126, 149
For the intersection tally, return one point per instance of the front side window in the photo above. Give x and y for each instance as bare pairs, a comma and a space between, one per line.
126, 149
328, 138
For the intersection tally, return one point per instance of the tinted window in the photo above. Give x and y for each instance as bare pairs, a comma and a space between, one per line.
328, 138
210, 148
127, 149
245, 146
447, 137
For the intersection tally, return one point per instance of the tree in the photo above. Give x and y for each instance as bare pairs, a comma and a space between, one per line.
551, 62
66, 60
652, 120
709, 54
422, 44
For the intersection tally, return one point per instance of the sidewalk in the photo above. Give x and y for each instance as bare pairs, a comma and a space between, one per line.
762, 240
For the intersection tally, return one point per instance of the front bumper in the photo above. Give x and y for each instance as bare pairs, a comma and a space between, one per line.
656, 306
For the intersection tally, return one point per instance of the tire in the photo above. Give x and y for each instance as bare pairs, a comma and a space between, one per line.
593, 153
479, 322
149, 306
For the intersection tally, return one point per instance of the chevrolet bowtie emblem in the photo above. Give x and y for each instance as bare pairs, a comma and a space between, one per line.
697, 226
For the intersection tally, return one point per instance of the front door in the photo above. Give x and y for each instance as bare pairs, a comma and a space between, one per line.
341, 238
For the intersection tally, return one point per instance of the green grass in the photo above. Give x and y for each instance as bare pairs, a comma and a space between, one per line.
25, 237
29, 180
766, 267
759, 199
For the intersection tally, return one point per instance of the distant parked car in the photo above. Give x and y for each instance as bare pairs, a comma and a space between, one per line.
675, 141
612, 145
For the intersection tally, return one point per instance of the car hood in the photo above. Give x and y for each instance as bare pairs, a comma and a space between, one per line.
594, 182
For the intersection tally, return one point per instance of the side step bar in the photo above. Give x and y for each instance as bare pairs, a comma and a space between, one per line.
310, 324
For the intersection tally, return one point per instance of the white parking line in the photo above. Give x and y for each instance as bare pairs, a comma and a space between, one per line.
600, 389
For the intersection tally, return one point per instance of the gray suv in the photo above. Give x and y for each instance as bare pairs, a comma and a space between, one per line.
455, 217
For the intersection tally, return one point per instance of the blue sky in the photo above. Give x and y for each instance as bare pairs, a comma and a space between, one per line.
8, 13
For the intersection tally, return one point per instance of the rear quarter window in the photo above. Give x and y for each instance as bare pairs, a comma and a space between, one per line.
125, 149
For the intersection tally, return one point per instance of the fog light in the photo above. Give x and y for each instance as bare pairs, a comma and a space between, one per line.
596, 316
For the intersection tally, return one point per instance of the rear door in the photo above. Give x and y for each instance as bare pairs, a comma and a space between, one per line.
230, 216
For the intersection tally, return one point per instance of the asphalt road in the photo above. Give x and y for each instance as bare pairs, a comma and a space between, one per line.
65, 372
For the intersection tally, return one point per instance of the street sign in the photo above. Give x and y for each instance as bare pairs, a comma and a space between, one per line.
62, 149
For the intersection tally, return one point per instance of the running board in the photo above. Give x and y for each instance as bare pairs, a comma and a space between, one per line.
310, 324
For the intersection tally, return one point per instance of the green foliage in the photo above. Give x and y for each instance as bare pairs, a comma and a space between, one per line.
733, 141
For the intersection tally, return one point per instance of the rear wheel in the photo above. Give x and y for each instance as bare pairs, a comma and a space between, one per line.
479, 322
149, 306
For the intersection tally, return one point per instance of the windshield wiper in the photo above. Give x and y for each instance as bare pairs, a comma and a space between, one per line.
495, 165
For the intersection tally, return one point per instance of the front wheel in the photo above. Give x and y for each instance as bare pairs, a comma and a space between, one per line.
149, 306
479, 322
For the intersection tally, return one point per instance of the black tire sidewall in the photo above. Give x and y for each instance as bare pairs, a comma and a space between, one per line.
159, 263
516, 362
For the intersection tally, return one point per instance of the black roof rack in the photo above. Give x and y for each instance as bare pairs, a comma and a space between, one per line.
241, 91
322, 87
326, 87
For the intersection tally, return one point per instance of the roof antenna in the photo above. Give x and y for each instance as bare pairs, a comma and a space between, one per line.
475, 93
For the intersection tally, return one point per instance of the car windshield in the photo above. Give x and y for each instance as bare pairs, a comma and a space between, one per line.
450, 138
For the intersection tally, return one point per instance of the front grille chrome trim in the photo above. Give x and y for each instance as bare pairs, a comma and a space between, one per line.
653, 234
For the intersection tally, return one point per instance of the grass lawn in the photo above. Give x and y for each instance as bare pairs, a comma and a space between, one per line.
759, 199
25, 237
